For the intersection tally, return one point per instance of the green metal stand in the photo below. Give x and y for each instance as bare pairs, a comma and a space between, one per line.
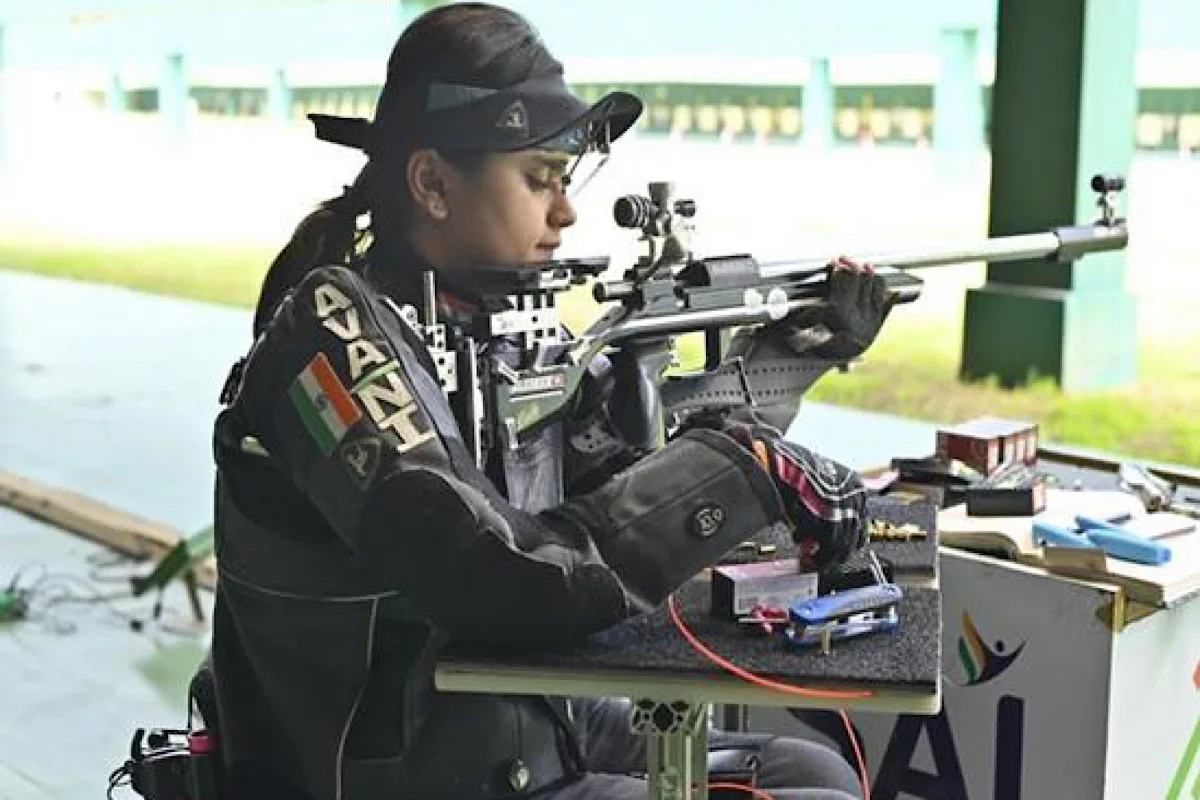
676, 748
1063, 108
181, 561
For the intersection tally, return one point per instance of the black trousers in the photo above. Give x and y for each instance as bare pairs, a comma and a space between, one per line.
791, 769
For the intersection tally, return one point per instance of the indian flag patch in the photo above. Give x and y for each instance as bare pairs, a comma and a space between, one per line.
323, 403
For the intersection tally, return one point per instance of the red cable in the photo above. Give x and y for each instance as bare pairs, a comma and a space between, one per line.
858, 755
747, 675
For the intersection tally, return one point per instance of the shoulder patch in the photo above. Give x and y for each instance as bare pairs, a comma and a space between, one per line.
378, 382
325, 406
361, 457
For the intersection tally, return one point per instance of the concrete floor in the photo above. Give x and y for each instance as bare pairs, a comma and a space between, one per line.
111, 393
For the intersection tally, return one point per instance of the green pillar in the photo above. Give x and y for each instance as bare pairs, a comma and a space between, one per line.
173, 96
1063, 107
958, 102
817, 106
3, 106
279, 97
114, 95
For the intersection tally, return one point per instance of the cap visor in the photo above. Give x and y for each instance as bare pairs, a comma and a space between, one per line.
619, 109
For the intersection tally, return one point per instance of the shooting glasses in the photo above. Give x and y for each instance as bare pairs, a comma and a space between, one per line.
540, 112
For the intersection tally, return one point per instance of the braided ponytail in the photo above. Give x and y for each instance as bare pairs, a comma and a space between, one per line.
329, 235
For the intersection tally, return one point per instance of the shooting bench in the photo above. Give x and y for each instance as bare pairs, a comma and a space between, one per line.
672, 686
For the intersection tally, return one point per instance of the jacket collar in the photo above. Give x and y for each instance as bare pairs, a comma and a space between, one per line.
395, 268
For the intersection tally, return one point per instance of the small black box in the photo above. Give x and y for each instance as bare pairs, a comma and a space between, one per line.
1022, 500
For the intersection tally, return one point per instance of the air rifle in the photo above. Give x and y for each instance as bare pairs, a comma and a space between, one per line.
670, 292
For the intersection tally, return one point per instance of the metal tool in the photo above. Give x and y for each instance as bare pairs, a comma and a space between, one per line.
1155, 493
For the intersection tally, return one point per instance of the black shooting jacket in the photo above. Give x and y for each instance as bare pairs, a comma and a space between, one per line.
356, 537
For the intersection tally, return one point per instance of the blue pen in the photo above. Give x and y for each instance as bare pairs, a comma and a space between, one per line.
1122, 543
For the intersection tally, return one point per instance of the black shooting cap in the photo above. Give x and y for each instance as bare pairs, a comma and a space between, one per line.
540, 112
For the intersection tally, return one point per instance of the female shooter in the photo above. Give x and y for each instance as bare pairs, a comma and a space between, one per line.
355, 533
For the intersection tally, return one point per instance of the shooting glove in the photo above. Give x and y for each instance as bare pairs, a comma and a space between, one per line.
846, 324
826, 502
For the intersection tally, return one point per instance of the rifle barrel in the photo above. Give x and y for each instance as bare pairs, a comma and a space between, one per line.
1062, 244
1002, 248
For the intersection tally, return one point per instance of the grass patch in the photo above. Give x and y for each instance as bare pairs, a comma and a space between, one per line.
911, 371
224, 275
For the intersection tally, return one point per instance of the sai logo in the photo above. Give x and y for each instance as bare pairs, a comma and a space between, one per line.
897, 775
982, 663
1189, 766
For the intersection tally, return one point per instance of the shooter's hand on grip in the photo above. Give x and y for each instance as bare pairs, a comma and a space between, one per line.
826, 502
846, 324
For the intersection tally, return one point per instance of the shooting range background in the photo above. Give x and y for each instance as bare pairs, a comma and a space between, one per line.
111, 393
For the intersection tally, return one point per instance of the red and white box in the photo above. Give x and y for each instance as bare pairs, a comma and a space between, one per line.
987, 443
